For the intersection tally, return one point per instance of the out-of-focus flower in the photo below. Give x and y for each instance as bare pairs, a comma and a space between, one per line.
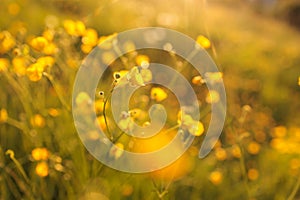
253, 148
126, 124
135, 78
253, 174
48, 34
213, 77
4, 63
82, 99
220, 154
40, 154
19, 65
7, 42
194, 127
39, 43
38, 121
158, 94
13, 8
74, 28
279, 131
127, 190
42, 169
35, 71
50, 49
299, 80
203, 41
142, 60
90, 37
53, 112
46, 61
198, 80
216, 177
236, 151
212, 97
3, 115
116, 150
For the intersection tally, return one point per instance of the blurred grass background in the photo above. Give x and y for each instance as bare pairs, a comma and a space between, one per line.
255, 45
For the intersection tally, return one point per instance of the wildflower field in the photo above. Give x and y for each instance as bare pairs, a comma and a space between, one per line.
43, 44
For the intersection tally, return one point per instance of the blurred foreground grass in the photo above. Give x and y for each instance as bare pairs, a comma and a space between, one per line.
41, 156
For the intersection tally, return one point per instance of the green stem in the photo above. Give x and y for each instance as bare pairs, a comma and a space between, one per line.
17, 163
58, 90
295, 190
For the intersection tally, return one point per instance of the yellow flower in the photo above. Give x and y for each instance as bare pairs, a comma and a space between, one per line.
48, 34
82, 99
236, 151
198, 80
116, 150
253, 148
220, 154
299, 80
253, 174
142, 60
7, 42
279, 131
40, 154
39, 43
46, 61
135, 78
13, 8
35, 72
19, 65
42, 169
216, 177
212, 97
196, 129
214, 77
90, 37
127, 190
126, 124
38, 121
100, 122
74, 28
50, 49
3, 115
203, 42
86, 48
158, 94
53, 112
4, 63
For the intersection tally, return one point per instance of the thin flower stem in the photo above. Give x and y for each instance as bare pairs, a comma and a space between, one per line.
17, 124
18, 165
58, 90
295, 190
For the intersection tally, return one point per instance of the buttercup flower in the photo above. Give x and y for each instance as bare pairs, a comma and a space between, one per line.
35, 72
105, 42
253, 174
39, 43
203, 41
74, 28
7, 42
42, 169
186, 122
158, 94
38, 121
142, 60
135, 78
3, 115
19, 65
216, 177
212, 97
40, 154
